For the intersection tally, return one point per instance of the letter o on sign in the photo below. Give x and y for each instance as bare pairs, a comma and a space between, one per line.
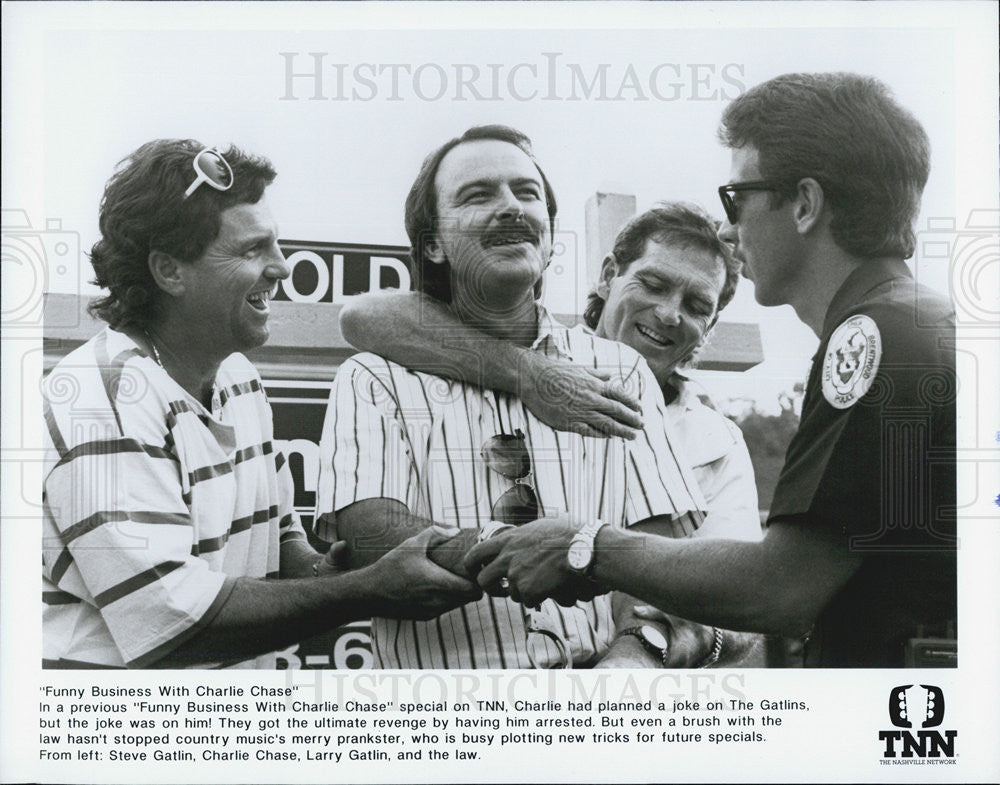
322, 278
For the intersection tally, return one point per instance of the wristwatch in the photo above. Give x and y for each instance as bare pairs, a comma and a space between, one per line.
581, 548
651, 638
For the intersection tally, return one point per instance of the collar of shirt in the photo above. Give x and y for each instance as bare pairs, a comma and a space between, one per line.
862, 280
555, 332
680, 392
677, 390
215, 413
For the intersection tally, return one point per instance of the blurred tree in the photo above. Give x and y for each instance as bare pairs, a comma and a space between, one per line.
767, 437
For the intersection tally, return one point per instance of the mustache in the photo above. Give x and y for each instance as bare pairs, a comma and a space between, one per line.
509, 234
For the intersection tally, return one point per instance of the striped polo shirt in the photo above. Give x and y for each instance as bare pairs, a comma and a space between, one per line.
416, 438
153, 504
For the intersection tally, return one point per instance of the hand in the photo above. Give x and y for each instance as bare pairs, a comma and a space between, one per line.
532, 558
408, 585
450, 553
575, 398
688, 643
335, 562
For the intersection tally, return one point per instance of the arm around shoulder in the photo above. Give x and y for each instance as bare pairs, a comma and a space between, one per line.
421, 333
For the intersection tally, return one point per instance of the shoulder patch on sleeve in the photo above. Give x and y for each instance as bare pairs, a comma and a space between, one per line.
851, 361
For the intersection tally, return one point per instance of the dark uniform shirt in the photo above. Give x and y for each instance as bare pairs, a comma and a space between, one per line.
874, 460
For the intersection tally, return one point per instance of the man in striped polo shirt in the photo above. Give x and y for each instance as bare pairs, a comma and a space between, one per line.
167, 511
402, 449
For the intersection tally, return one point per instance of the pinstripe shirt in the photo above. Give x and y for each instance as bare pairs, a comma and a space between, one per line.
416, 438
153, 504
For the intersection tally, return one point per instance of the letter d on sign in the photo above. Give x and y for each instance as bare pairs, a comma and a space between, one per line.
375, 274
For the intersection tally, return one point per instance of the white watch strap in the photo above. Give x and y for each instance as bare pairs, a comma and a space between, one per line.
590, 530
586, 534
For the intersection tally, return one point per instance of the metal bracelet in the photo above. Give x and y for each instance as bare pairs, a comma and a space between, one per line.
716, 652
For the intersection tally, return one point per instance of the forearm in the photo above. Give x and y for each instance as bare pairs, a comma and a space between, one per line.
297, 559
423, 334
265, 615
720, 583
779, 585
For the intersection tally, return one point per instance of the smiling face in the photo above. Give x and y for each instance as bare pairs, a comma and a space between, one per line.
763, 237
228, 290
662, 304
493, 225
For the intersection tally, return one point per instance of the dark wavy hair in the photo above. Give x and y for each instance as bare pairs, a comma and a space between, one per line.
870, 155
670, 223
422, 213
143, 209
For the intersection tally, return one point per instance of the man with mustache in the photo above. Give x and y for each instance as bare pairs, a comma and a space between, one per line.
170, 539
660, 292
401, 448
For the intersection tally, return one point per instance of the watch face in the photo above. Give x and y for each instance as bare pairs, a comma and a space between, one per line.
579, 555
654, 637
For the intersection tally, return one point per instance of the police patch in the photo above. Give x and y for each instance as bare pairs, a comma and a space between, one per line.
851, 361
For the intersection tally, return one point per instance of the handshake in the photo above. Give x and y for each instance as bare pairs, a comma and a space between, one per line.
440, 569
549, 557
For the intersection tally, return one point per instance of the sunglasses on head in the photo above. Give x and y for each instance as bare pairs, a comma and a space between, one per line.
211, 169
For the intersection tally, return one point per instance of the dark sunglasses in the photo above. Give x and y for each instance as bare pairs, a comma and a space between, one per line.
727, 191
212, 169
507, 455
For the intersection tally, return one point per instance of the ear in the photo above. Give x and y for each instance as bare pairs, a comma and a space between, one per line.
809, 203
609, 271
433, 251
167, 272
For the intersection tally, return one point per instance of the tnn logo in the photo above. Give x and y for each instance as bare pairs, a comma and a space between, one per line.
923, 706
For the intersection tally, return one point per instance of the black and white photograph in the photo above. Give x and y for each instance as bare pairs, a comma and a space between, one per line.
431, 391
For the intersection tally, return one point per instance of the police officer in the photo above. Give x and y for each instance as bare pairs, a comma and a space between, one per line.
827, 175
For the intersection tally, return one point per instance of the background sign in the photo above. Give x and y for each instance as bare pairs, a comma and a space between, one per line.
330, 272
